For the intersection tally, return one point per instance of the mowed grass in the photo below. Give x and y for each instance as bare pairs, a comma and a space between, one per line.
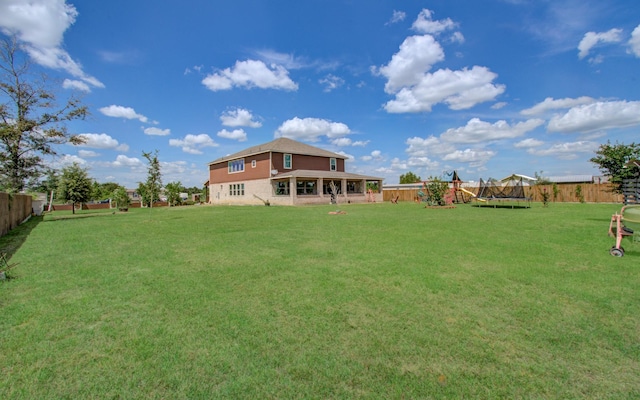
386, 301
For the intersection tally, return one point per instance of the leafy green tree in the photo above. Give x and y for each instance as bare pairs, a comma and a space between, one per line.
31, 122
437, 190
74, 185
145, 195
192, 190
120, 198
154, 177
48, 184
173, 190
409, 177
103, 191
611, 160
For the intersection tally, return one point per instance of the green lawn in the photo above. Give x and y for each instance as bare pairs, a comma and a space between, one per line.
387, 301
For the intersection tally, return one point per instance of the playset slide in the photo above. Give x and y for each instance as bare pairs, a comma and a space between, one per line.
470, 193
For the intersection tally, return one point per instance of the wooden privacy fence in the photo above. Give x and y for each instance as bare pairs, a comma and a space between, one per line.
13, 210
100, 206
565, 193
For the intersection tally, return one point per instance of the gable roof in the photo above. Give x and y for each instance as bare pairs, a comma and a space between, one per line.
281, 145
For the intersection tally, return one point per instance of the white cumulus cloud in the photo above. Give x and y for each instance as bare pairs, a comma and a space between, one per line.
76, 85
124, 161
239, 117
475, 158
422, 162
425, 23
237, 134
102, 141
153, 131
69, 159
311, 129
250, 74
193, 144
87, 153
592, 39
460, 89
417, 55
416, 89
597, 116
40, 26
420, 147
634, 42
550, 103
527, 143
122, 112
342, 142
565, 151
397, 16
477, 131
331, 82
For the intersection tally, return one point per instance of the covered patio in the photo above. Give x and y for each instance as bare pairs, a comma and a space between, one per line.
314, 187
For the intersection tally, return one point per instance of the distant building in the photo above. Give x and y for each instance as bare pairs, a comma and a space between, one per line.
287, 172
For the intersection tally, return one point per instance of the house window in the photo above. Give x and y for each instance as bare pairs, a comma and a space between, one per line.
253, 163
282, 188
236, 189
354, 187
287, 161
306, 187
333, 164
236, 166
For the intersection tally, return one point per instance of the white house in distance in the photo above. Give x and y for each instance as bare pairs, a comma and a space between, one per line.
287, 172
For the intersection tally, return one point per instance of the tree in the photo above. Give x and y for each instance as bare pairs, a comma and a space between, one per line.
154, 178
74, 185
103, 191
31, 122
145, 196
48, 184
437, 191
611, 160
121, 198
409, 177
173, 190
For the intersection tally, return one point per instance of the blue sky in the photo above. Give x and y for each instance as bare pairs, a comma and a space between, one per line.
487, 88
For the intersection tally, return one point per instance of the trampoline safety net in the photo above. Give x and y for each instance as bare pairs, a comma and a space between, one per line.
491, 190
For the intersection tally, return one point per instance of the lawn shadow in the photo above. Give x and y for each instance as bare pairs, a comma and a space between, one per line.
11, 242
67, 217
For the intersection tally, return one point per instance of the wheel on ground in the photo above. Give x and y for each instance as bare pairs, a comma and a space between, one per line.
616, 252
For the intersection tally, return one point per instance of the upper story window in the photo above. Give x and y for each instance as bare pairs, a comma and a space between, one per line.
288, 161
333, 164
236, 166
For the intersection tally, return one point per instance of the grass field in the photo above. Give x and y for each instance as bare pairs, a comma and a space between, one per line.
386, 301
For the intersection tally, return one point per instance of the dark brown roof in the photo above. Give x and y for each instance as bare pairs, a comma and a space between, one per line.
281, 145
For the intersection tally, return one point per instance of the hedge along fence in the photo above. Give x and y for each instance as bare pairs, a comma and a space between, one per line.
569, 193
14, 209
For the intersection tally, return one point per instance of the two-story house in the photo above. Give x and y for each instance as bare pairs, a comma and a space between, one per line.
287, 172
